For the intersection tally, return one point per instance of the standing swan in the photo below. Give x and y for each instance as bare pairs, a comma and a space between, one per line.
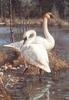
48, 42
35, 54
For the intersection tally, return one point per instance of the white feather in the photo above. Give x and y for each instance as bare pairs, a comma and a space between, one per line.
36, 54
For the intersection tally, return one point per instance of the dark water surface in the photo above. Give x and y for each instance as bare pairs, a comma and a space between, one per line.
27, 88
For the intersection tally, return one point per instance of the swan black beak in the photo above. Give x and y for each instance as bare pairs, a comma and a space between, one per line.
25, 39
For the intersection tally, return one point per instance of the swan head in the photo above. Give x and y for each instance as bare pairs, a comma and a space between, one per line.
29, 36
48, 15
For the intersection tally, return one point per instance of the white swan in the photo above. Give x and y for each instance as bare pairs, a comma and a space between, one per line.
48, 42
35, 54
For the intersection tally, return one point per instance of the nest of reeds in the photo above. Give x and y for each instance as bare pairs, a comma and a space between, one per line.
57, 62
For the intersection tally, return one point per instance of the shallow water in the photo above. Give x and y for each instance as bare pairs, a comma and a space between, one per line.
27, 88
31, 88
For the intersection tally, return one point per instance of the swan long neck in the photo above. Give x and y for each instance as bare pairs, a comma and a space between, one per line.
32, 39
45, 27
48, 36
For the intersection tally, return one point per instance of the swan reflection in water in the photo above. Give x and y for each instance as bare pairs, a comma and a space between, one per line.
41, 93
28, 89
37, 90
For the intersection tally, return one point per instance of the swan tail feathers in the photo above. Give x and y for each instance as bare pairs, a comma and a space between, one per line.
45, 68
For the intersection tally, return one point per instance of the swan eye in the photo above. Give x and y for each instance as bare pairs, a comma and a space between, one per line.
25, 39
31, 35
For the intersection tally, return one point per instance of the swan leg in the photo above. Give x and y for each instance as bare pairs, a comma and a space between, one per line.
40, 72
25, 70
55, 75
26, 66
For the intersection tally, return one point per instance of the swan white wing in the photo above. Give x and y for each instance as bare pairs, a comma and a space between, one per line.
41, 57
44, 42
16, 45
36, 55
